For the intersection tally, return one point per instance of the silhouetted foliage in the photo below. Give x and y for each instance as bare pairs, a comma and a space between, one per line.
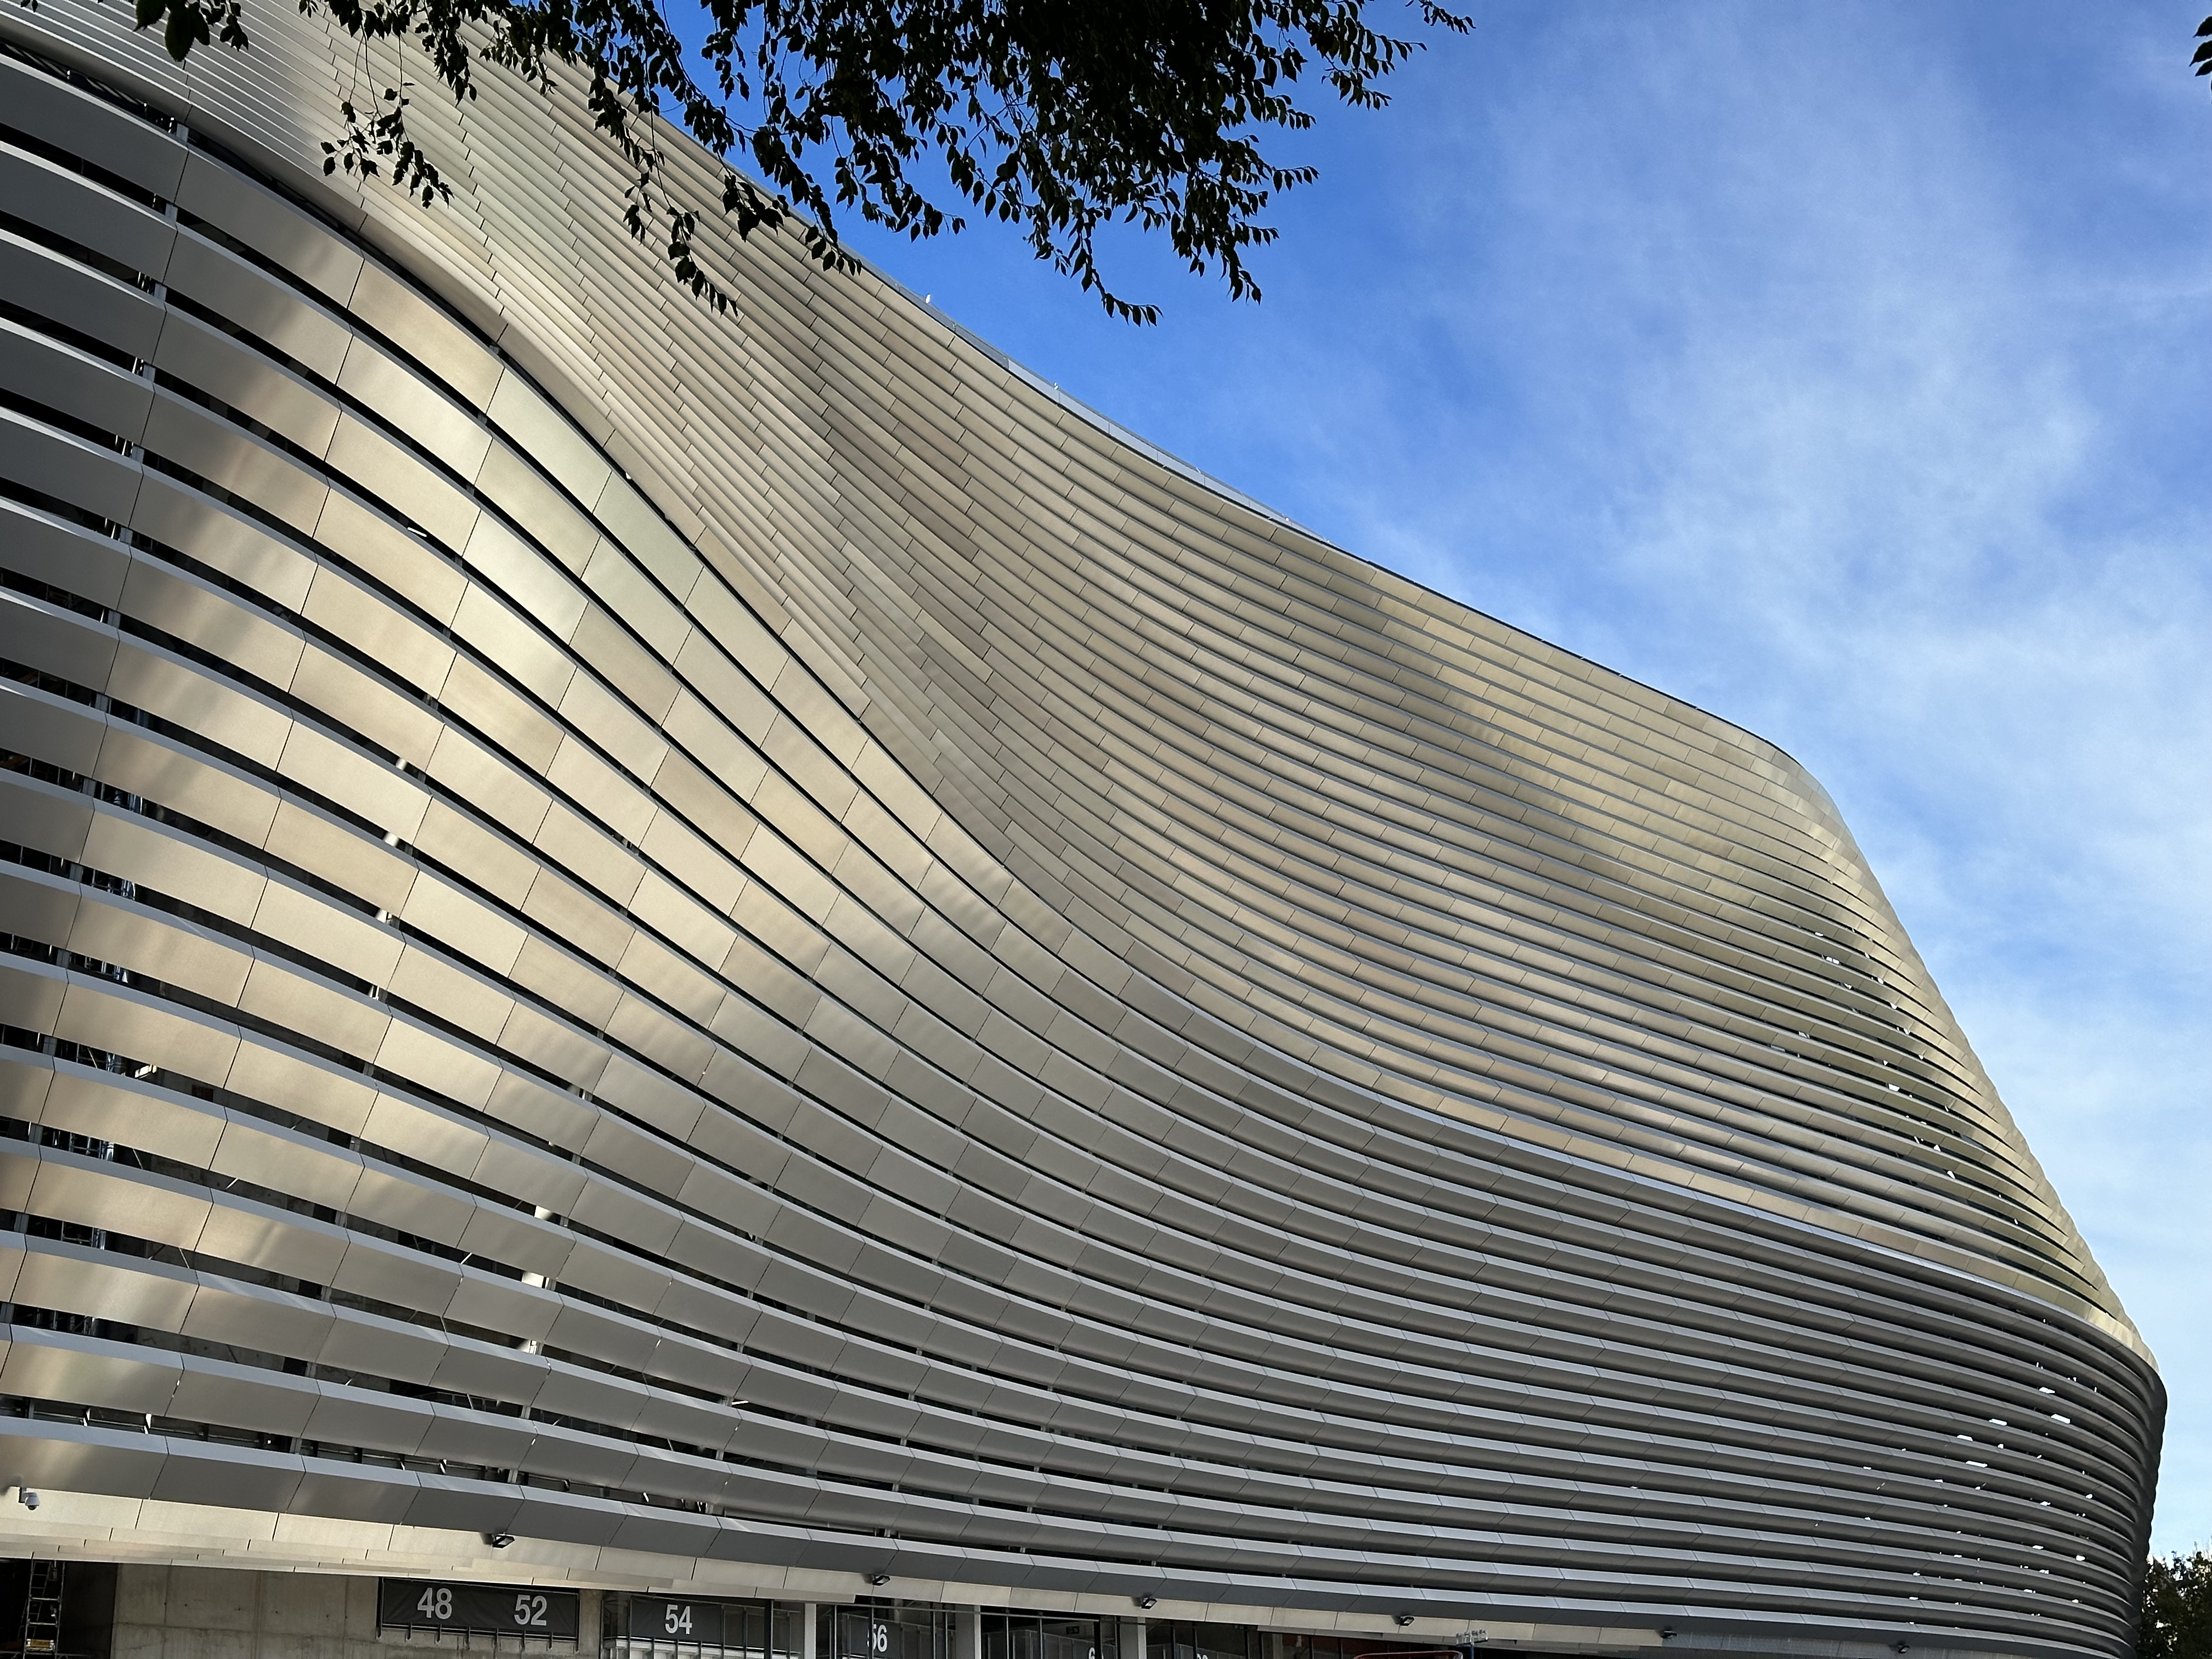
2177, 1603
1059, 116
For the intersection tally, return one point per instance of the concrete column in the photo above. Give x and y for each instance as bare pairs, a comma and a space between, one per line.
808, 1646
1132, 1638
966, 1633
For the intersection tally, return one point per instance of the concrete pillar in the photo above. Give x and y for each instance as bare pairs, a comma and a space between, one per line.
966, 1633
1132, 1638
809, 1647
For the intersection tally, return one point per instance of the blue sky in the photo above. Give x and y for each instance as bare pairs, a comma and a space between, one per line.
1848, 371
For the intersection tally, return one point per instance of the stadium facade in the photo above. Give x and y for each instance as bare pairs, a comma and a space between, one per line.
683, 985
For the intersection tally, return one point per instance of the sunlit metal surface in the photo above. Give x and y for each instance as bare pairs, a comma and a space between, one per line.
756, 951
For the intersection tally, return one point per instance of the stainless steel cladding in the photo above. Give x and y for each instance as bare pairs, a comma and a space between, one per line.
745, 948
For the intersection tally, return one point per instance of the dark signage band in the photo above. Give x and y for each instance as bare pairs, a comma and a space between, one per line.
505, 1610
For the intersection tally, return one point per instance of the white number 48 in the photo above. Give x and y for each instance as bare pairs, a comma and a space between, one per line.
437, 1602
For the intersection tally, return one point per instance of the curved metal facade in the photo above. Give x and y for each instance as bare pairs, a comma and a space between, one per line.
814, 966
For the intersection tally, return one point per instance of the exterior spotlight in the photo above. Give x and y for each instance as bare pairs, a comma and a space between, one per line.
1901, 1647
1666, 1635
499, 1540
879, 1578
26, 1498
1401, 1620
1148, 1600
